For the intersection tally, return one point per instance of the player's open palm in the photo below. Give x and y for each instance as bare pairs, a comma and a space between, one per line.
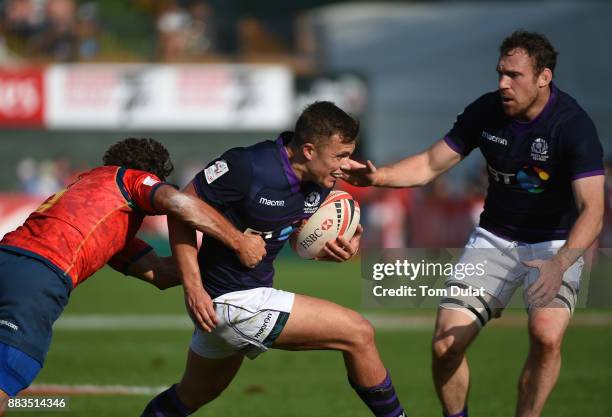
200, 308
357, 173
251, 251
544, 290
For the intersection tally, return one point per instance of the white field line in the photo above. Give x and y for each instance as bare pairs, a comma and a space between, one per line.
382, 322
123, 322
71, 390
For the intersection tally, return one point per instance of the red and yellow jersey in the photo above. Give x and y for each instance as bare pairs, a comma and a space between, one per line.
90, 223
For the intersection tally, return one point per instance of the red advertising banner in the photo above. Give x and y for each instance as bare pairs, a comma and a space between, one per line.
21, 97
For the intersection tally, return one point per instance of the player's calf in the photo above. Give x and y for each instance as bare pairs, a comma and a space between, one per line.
454, 332
167, 404
320, 324
381, 399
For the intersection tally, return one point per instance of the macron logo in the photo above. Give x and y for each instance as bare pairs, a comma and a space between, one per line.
494, 138
8, 324
271, 203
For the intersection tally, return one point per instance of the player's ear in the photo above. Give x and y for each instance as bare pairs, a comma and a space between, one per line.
308, 150
545, 77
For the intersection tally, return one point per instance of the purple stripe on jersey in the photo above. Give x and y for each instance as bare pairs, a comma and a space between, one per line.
520, 127
294, 181
454, 146
589, 174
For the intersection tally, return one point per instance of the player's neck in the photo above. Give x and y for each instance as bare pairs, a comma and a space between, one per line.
537, 107
298, 168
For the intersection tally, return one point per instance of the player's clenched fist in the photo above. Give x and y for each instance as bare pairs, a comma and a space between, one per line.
251, 250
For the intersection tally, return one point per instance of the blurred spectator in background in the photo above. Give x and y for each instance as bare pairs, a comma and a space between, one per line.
41, 179
51, 29
21, 18
88, 31
172, 32
20, 22
476, 189
186, 33
57, 39
439, 219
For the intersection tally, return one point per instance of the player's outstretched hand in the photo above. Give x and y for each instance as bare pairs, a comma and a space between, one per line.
340, 249
201, 309
544, 290
252, 249
359, 174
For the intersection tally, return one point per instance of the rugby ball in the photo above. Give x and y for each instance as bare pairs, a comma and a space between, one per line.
337, 216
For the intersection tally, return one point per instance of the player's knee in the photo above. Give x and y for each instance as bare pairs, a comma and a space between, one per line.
546, 341
544, 337
362, 333
447, 348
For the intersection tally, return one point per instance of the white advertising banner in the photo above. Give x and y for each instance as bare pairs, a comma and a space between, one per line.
190, 97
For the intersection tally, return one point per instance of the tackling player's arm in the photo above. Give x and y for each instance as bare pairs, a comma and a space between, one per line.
413, 171
183, 241
188, 208
139, 260
159, 271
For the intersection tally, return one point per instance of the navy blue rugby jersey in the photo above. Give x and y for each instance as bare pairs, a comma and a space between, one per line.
530, 165
257, 190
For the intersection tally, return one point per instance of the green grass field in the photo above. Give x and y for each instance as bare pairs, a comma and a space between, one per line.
289, 384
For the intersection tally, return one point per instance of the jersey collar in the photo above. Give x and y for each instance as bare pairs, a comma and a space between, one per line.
292, 179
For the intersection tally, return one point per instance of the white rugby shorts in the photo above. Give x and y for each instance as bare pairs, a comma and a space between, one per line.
504, 272
249, 322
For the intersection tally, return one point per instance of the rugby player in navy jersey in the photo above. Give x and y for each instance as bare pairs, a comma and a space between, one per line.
268, 189
544, 206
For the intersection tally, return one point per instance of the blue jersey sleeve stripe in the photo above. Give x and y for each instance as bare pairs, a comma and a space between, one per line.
124, 191
588, 174
135, 258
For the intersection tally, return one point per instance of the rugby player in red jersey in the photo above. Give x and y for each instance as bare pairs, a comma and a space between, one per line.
76, 232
